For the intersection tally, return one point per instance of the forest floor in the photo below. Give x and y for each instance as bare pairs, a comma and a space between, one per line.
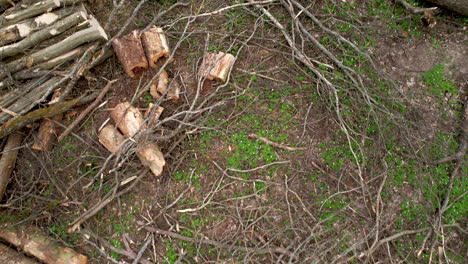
362, 185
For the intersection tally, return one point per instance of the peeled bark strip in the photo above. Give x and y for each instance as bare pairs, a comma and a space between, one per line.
94, 32
130, 52
216, 66
8, 160
459, 6
111, 138
150, 155
47, 130
159, 88
155, 45
22, 29
128, 118
36, 244
11, 256
46, 33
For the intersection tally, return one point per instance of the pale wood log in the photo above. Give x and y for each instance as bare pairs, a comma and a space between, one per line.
9, 98
24, 28
129, 51
94, 32
158, 87
48, 129
153, 114
155, 45
150, 155
216, 66
14, 16
8, 160
35, 243
11, 256
173, 92
128, 118
459, 6
43, 34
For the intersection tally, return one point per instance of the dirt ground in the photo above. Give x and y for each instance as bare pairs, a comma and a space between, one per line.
362, 185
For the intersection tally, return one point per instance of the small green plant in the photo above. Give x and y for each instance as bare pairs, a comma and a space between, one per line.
438, 82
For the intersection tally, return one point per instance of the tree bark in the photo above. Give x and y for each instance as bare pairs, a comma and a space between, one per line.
36, 244
8, 160
130, 52
41, 35
459, 6
11, 256
47, 130
38, 8
128, 119
216, 66
155, 45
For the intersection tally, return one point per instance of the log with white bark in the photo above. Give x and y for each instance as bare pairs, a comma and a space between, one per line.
93, 33
155, 45
47, 130
129, 51
22, 29
459, 6
35, 243
128, 118
43, 34
216, 66
11, 256
8, 160
150, 155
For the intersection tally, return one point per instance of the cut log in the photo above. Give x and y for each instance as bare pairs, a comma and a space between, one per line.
38, 8
459, 6
22, 29
41, 35
128, 119
34, 243
11, 256
153, 114
158, 87
94, 32
150, 155
130, 52
9, 98
47, 130
173, 92
155, 45
8, 160
216, 66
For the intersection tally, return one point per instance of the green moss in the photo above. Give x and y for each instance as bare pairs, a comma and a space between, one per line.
438, 81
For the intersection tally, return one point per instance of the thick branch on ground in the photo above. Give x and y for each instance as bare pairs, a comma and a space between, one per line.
216, 66
130, 52
41, 35
8, 160
11, 256
34, 243
459, 6
16, 15
47, 130
415, 10
155, 45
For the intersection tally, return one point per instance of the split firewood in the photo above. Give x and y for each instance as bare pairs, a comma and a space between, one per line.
43, 34
42, 247
128, 119
130, 52
153, 114
48, 129
94, 32
163, 86
11, 256
216, 66
8, 160
24, 28
155, 45
150, 155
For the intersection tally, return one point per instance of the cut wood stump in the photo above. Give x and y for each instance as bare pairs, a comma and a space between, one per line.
158, 87
155, 45
11, 256
128, 118
111, 138
216, 66
129, 51
34, 243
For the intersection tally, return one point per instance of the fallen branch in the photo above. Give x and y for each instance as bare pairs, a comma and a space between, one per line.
274, 144
415, 10
86, 111
11, 256
8, 160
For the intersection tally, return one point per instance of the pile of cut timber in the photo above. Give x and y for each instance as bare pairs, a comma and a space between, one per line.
40, 48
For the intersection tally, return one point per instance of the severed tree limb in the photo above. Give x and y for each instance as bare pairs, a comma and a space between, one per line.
255, 250
13, 16
415, 10
11, 256
8, 160
36, 244
86, 111
459, 6
274, 144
